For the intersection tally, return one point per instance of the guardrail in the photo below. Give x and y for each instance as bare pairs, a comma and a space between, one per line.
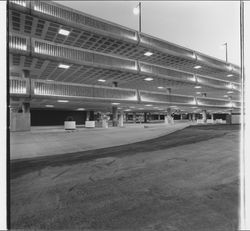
19, 86
155, 97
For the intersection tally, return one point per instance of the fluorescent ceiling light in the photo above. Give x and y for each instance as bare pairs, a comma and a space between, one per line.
225, 95
230, 75
49, 80
62, 101
63, 66
148, 53
127, 110
160, 87
102, 80
197, 67
115, 103
230, 92
148, 105
49, 105
197, 87
63, 32
80, 109
197, 92
148, 79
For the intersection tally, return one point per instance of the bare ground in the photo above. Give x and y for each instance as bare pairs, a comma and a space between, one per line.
187, 180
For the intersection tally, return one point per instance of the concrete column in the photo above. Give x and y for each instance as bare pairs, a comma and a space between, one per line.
193, 116
229, 120
26, 107
121, 119
189, 116
204, 115
181, 116
25, 73
20, 121
212, 116
87, 115
115, 116
134, 117
168, 118
114, 109
145, 117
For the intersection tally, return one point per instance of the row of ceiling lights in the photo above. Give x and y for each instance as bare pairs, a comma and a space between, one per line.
148, 53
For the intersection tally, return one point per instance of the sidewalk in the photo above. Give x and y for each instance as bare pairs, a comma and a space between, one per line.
55, 140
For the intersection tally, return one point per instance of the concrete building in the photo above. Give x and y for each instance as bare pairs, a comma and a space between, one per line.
68, 65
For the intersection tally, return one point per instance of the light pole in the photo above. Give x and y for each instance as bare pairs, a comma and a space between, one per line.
225, 44
137, 11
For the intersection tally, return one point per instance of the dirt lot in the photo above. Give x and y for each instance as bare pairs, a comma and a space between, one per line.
187, 180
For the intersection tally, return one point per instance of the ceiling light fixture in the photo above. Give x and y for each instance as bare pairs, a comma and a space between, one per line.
148, 53
115, 103
197, 67
230, 92
197, 86
148, 79
101, 80
160, 87
63, 32
62, 101
230, 75
148, 105
49, 105
64, 66
80, 109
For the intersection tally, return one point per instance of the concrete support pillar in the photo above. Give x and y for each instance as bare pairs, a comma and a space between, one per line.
181, 116
189, 116
25, 73
26, 107
134, 117
87, 115
91, 115
169, 91
121, 119
115, 116
212, 116
193, 116
229, 117
145, 117
168, 118
20, 121
204, 115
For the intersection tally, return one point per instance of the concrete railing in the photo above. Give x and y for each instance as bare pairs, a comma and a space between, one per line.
19, 86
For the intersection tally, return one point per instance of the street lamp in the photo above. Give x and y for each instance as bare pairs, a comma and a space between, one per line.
225, 44
137, 11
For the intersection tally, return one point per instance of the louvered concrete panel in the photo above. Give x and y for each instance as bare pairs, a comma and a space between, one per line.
56, 12
58, 89
155, 97
217, 83
156, 70
81, 56
210, 102
19, 86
